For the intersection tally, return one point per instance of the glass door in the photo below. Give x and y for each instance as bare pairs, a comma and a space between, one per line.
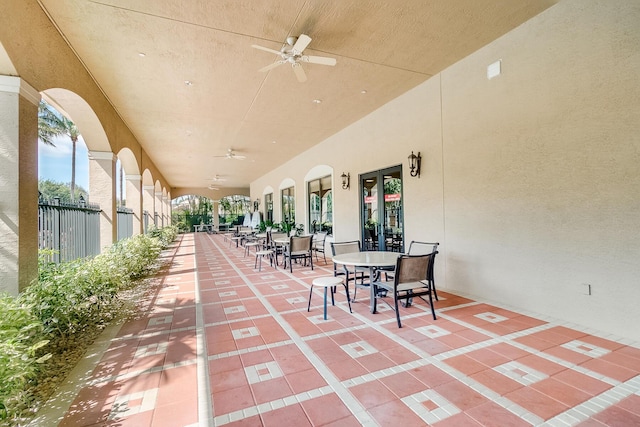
381, 210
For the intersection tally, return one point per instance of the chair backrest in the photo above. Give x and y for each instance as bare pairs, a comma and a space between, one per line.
338, 248
320, 237
422, 248
300, 244
413, 268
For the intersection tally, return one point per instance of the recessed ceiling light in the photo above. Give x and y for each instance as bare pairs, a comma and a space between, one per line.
142, 54
188, 82
273, 142
363, 91
317, 101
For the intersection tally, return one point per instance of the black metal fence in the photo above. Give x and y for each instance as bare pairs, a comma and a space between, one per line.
125, 222
71, 229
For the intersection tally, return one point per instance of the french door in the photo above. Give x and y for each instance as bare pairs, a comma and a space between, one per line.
382, 221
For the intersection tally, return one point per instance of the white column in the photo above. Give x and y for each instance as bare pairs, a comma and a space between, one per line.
19, 189
102, 190
214, 214
166, 210
148, 201
158, 206
134, 201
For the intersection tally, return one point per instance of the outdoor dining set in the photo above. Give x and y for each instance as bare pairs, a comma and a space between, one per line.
392, 277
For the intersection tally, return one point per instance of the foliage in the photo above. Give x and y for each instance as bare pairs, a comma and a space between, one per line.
68, 301
51, 123
49, 189
287, 227
21, 341
165, 235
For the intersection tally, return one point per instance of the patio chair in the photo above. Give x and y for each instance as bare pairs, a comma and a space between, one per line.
421, 248
350, 273
277, 249
266, 251
409, 281
299, 248
318, 244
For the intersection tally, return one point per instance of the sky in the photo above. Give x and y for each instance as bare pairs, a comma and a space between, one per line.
54, 163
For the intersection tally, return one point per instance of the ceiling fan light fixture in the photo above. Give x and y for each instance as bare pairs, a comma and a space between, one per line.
293, 53
291, 40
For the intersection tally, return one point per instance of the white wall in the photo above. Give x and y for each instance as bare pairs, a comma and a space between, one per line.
530, 180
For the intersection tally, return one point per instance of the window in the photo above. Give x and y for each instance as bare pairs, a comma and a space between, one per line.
288, 205
321, 205
268, 203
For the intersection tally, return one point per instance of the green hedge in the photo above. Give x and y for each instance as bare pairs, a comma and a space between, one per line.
68, 299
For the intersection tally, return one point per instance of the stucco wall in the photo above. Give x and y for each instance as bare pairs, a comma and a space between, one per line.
530, 180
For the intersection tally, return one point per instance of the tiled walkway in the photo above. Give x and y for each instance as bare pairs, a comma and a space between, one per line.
227, 345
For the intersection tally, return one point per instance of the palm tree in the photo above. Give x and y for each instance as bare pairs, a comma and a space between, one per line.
51, 124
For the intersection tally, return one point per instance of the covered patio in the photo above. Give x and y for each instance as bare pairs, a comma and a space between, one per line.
526, 118
224, 344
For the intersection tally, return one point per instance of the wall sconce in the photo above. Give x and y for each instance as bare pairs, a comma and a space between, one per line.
256, 205
345, 180
414, 164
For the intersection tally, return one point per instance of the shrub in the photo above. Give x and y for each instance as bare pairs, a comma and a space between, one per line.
68, 302
21, 338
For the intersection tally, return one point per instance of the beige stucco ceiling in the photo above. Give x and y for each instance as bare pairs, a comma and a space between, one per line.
382, 47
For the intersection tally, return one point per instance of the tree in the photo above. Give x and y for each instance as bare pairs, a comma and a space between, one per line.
51, 124
50, 189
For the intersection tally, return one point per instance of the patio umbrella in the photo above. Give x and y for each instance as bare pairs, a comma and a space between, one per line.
247, 220
255, 219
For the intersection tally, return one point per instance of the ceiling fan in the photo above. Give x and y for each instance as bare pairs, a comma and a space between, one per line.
292, 53
232, 155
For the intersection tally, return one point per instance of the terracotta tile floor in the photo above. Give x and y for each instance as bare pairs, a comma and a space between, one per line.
224, 344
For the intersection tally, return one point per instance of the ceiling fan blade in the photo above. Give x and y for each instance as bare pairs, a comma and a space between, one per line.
266, 49
271, 66
299, 72
323, 60
238, 157
302, 43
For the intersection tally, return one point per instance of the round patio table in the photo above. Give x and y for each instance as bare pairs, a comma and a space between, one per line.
371, 259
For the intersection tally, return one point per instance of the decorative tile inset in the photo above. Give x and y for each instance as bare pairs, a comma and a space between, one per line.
358, 349
166, 301
154, 321
586, 348
520, 373
134, 403
262, 372
319, 319
296, 300
251, 331
218, 274
227, 294
150, 350
491, 317
235, 309
222, 282
433, 331
279, 287
430, 406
